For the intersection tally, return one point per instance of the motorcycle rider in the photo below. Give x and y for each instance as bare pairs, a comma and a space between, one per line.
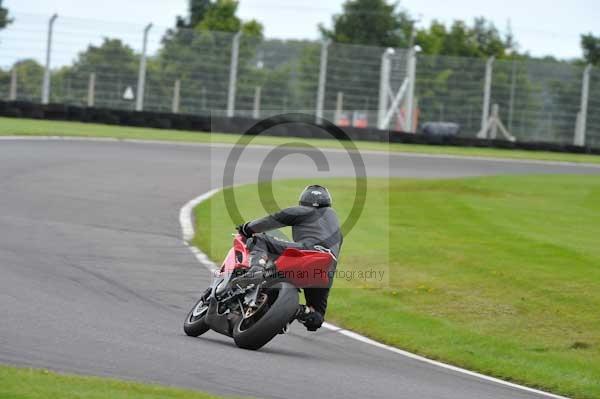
314, 226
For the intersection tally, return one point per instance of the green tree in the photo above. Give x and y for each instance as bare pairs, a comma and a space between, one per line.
196, 11
4, 19
29, 79
200, 57
4, 83
221, 17
112, 54
370, 22
432, 40
590, 45
482, 39
115, 66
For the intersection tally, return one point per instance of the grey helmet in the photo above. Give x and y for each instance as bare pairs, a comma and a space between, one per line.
316, 196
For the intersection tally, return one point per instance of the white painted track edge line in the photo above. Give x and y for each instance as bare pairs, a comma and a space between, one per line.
331, 150
186, 219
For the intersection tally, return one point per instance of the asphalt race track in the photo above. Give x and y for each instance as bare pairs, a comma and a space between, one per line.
95, 278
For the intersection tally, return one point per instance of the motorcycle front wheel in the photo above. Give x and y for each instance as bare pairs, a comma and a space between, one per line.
279, 304
195, 322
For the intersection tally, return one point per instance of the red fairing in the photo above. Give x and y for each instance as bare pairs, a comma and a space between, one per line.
237, 257
303, 268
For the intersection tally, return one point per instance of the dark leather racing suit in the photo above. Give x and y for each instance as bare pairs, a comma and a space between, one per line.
310, 227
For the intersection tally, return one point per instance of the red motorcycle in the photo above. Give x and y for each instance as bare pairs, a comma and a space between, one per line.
253, 314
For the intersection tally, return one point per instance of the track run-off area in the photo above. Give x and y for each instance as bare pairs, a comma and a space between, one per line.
95, 278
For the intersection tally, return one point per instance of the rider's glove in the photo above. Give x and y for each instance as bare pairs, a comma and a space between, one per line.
311, 319
244, 230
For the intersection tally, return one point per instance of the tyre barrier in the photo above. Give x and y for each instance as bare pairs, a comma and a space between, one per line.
238, 125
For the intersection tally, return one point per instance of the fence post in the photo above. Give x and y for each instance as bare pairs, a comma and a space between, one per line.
511, 103
384, 86
322, 80
176, 96
139, 101
256, 105
91, 90
496, 118
235, 51
46, 84
580, 127
487, 93
410, 94
12, 94
339, 107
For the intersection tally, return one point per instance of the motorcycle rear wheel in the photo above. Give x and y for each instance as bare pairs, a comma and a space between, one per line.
195, 322
282, 306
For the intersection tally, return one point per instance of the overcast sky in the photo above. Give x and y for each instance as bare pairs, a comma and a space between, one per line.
541, 27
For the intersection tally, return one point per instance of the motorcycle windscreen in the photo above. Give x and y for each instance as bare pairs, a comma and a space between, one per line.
236, 257
305, 269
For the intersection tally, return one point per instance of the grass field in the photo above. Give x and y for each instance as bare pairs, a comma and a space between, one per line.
497, 274
31, 127
19, 383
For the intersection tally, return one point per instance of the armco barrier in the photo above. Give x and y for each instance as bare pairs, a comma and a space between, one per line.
237, 125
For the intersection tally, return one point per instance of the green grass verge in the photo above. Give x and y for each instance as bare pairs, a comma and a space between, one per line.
20, 383
497, 274
31, 127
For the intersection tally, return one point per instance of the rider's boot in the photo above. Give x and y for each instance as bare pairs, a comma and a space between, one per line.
311, 319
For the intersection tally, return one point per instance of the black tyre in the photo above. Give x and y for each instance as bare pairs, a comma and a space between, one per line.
278, 308
195, 323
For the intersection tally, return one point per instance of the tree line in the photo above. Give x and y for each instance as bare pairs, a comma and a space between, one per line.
197, 52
